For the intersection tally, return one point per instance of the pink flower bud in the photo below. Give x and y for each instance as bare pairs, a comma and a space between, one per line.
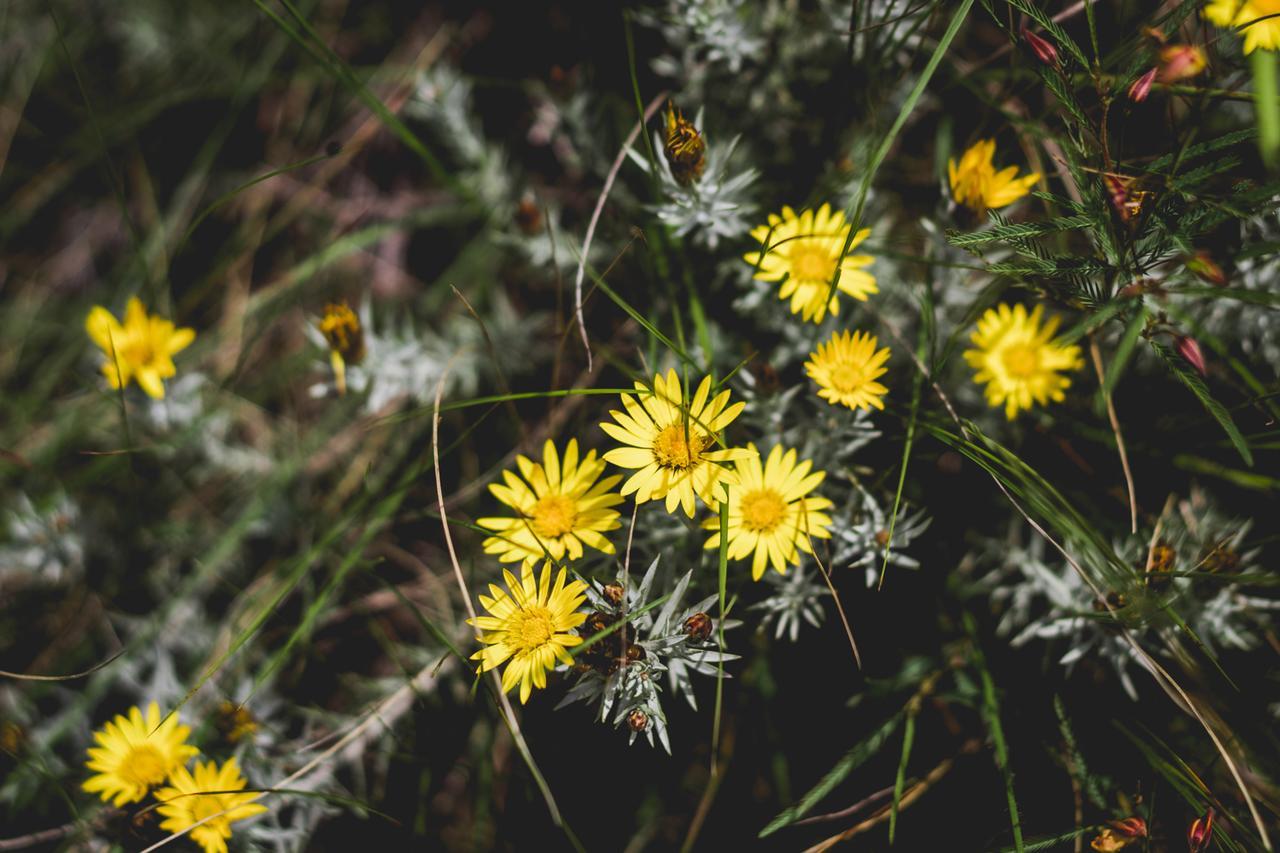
1044, 50
1181, 62
1204, 266
1190, 350
1200, 832
1142, 86
1130, 827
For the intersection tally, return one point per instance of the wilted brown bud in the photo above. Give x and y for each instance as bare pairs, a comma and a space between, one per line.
1142, 86
685, 148
635, 652
11, 737
638, 720
882, 538
1200, 832
1181, 62
613, 593
529, 216
235, 722
1114, 602
1189, 349
1139, 287
1043, 49
595, 623
1221, 558
698, 626
1204, 266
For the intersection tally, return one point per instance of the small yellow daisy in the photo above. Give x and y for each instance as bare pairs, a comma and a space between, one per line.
1260, 20
976, 184
562, 504
672, 442
529, 627
142, 348
190, 799
1017, 359
846, 367
136, 753
770, 512
802, 252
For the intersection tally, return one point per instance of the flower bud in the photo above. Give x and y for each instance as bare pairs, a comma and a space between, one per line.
613, 593
698, 626
1204, 266
1130, 827
1200, 832
1181, 62
1190, 350
1043, 49
684, 148
1142, 86
638, 720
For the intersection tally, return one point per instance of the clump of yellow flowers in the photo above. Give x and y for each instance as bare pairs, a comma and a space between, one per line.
136, 753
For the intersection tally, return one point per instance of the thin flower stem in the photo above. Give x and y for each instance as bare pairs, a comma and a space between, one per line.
1115, 428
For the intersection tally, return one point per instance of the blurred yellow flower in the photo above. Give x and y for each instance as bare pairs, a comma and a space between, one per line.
771, 515
211, 791
529, 627
136, 753
846, 367
672, 442
142, 348
562, 504
1017, 360
976, 184
341, 329
1242, 14
802, 251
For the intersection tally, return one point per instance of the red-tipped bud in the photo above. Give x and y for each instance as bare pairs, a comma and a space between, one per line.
1200, 832
1130, 827
1190, 350
1142, 86
1181, 62
1204, 266
1043, 49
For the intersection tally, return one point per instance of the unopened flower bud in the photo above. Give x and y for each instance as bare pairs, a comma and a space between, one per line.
1142, 86
1042, 48
1130, 827
1204, 266
613, 593
1190, 350
638, 720
1200, 832
1181, 62
698, 626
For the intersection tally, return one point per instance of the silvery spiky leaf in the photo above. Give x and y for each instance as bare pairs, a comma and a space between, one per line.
189, 411
623, 681
713, 207
797, 598
43, 543
861, 536
706, 33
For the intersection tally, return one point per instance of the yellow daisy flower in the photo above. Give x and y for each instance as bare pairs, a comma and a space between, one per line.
529, 627
770, 513
562, 504
136, 753
1017, 359
846, 367
976, 184
142, 348
672, 442
188, 801
1264, 34
802, 252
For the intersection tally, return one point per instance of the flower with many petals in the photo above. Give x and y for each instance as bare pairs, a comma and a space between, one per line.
672, 441
1018, 360
976, 184
135, 753
846, 368
1258, 21
771, 515
803, 251
212, 793
528, 627
561, 505
141, 348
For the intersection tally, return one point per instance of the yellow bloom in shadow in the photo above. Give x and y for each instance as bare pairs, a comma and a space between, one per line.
562, 505
209, 793
976, 184
528, 627
772, 518
142, 348
672, 442
802, 251
135, 753
1017, 359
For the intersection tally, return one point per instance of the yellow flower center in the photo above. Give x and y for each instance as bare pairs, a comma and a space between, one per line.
530, 628
204, 807
137, 352
763, 510
812, 263
144, 765
1021, 360
554, 516
846, 377
678, 449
